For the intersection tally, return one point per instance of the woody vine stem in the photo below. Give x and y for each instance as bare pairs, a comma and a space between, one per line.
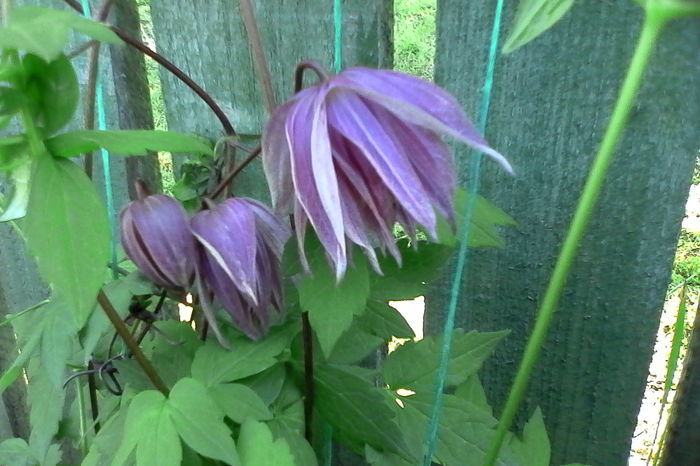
657, 14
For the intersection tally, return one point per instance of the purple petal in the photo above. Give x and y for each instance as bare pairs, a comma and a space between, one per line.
311, 169
350, 115
228, 235
419, 102
276, 160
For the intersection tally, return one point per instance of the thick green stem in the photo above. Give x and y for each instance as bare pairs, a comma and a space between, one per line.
653, 24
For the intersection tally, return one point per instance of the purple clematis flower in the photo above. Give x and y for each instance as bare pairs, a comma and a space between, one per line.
361, 151
156, 237
240, 247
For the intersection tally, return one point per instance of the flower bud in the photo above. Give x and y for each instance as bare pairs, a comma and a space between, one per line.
157, 238
240, 246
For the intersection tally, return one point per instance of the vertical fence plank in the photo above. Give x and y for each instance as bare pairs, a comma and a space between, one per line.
208, 41
551, 102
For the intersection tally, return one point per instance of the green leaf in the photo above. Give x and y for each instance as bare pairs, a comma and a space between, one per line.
332, 306
107, 442
289, 425
58, 333
257, 448
46, 400
199, 421
420, 265
486, 218
384, 321
213, 364
56, 88
268, 383
413, 365
533, 449
67, 231
15, 451
354, 406
143, 416
239, 402
464, 434
14, 151
354, 345
174, 360
532, 18
160, 445
125, 142
472, 391
44, 32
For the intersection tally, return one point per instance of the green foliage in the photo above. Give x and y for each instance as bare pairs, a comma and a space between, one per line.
239, 402
353, 406
533, 449
384, 321
54, 88
532, 18
213, 364
44, 32
125, 142
413, 365
67, 231
257, 447
331, 305
420, 264
483, 229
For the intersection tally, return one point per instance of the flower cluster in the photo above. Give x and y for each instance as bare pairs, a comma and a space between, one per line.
353, 156
232, 251
360, 152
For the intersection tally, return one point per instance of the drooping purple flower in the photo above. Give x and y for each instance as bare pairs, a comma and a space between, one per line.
156, 237
240, 248
362, 151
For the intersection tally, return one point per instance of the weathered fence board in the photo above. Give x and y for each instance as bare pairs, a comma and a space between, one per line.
551, 102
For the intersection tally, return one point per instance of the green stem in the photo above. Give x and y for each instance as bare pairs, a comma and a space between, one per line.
653, 24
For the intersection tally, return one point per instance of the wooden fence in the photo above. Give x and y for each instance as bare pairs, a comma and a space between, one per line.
550, 105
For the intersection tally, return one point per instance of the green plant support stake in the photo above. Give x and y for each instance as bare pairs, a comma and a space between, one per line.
657, 13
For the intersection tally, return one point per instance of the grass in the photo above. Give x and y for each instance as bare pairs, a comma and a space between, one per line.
414, 37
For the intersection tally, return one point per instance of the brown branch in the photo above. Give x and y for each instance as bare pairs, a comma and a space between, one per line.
232, 174
128, 339
261, 68
168, 65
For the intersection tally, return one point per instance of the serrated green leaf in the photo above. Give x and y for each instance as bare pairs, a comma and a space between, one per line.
108, 441
44, 31
289, 424
257, 448
15, 451
57, 91
125, 142
413, 365
213, 364
354, 406
160, 445
332, 306
58, 332
46, 400
464, 434
486, 218
532, 18
384, 321
199, 421
419, 266
173, 355
239, 402
472, 391
67, 232
533, 449
354, 345
143, 416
